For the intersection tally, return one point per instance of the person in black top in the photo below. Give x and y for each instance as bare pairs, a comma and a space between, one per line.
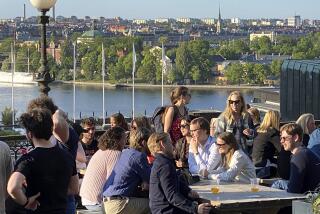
88, 141
266, 145
304, 165
166, 193
47, 173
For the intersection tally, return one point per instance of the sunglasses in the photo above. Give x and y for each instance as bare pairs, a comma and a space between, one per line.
220, 144
88, 129
234, 102
285, 138
184, 126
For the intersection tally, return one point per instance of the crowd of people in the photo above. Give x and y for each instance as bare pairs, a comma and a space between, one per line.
132, 168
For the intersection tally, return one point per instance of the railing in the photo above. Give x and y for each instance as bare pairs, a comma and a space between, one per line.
18, 144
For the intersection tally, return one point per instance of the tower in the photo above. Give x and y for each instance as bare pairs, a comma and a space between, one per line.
219, 22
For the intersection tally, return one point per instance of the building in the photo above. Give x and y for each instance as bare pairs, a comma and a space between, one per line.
161, 20
294, 21
271, 35
184, 20
236, 21
208, 21
139, 21
219, 23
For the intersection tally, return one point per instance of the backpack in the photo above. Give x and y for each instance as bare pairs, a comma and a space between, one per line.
157, 118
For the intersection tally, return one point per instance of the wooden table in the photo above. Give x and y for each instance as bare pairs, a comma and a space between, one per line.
237, 197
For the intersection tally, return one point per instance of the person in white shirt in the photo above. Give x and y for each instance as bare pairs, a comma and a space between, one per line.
203, 152
235, 164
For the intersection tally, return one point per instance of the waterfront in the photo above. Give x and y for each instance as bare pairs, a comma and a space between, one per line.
89, 98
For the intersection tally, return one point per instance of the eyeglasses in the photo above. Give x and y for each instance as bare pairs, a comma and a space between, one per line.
133, 127
88, 129
234, 102
184, 126
285, 138
195, 130
220, 144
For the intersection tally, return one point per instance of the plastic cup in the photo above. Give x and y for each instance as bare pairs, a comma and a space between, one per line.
254, 184
216, 188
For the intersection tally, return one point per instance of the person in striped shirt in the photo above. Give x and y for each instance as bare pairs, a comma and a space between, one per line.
100, 167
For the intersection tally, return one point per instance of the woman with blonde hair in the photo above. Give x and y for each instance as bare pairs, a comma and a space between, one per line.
266, 145
235, 164
234, 119
179, 97
306, 121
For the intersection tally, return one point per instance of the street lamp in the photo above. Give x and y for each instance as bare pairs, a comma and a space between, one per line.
43, 76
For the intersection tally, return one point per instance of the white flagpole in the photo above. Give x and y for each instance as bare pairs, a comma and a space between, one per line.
134, 59
103, 75
162, 73
13, 68
74, 81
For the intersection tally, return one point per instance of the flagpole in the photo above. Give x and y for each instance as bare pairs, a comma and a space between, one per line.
74, 81
133, 71
103, 76
162, 71
13, 68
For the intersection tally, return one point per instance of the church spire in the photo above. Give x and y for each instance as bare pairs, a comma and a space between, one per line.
219, 22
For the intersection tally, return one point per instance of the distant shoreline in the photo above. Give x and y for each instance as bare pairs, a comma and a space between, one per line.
122, 85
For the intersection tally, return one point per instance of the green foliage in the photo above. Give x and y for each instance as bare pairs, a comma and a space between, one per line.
261, 45
7, 116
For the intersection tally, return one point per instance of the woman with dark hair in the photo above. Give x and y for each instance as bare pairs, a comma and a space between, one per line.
234, 119
179, 97
140, 122
235, 164
118, 120
100, 167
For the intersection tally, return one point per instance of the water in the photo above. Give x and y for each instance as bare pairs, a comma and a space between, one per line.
89, 99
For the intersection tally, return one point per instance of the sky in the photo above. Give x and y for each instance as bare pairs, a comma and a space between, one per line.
151, 9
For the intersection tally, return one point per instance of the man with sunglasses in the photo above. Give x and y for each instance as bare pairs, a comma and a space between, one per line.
88, 141
304, 164
203, 152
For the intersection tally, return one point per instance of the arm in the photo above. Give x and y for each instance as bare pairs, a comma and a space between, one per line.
81, 156
236, 165
73, 187
214, 158
60, 126
168, 181
168, 120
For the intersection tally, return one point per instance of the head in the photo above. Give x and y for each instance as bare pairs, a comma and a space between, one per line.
185, 127
138, 139
113, 139
140, 122
227, 145
42, 102
88, 129
118, 120
307, 123
180, 94
38, 123
291, 136
254, 114
160, 143
199, 129
235, 104
270, 120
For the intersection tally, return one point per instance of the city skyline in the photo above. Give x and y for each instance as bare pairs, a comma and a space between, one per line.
148, 9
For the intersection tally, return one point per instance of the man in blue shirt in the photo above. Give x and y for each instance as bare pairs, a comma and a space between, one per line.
130, 177
169, 194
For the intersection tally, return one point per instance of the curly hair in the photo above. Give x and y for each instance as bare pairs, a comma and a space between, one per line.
42, 102
110, 139
39, 122
88, 122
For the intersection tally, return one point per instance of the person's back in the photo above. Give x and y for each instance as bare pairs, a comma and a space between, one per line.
5, 170
304, 169
48, 171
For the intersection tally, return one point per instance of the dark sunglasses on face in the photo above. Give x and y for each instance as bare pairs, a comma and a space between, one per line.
184, 126
234, 102
220, 144
88, 129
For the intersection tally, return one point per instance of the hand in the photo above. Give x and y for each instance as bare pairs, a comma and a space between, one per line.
204, 173
179, 163
204, 208
194, 146
144, 186
33, 202
193, 194
247, 132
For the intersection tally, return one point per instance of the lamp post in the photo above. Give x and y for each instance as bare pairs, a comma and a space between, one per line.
43, 76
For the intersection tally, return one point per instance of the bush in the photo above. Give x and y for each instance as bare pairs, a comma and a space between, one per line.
7, 116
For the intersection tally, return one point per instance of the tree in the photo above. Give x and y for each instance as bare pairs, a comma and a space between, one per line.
234, 73
147, 70
183, 60
275, 68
